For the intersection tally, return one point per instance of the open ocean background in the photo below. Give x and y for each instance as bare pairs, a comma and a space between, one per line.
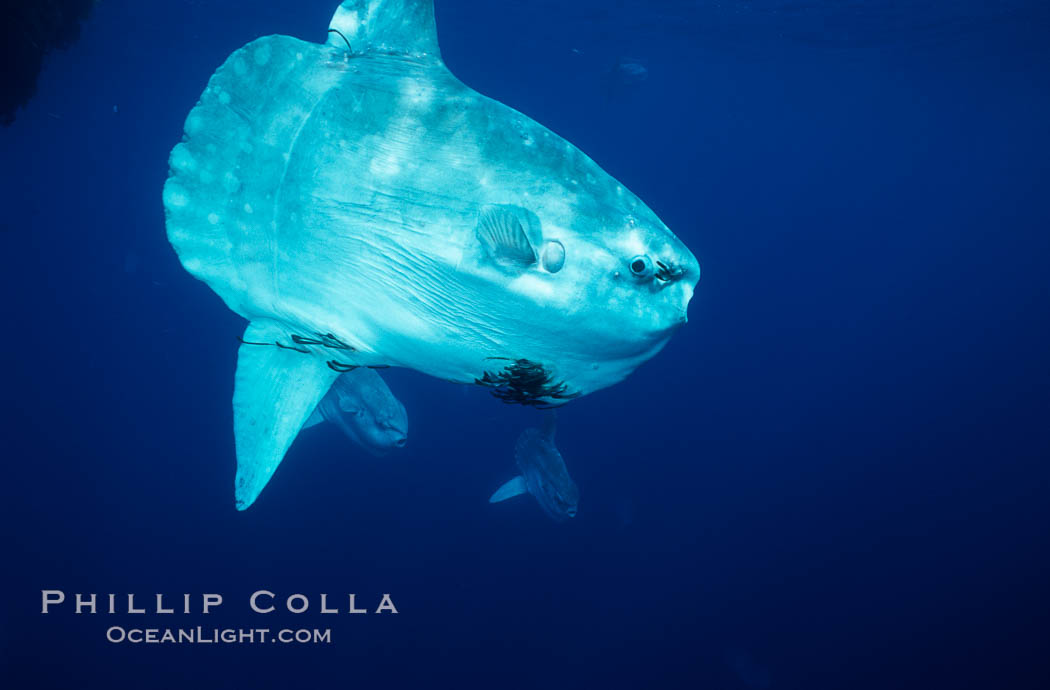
835, 476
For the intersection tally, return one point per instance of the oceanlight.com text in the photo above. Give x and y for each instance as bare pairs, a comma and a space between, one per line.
201, 635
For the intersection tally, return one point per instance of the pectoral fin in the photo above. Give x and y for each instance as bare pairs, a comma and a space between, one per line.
502, 233
515, 487
275, 390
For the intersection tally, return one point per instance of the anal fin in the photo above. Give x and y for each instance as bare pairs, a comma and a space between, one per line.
275, 391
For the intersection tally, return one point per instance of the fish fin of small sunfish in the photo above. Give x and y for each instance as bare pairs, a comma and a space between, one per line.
315, 418
550, 425
515, 487
502, 234
274, 392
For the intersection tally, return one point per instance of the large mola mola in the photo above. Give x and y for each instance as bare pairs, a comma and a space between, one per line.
360, 206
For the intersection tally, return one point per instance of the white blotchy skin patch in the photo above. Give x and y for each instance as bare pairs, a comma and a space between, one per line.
350, 23
262, 54
174, 196
633, 244
182, 160
385, 165
373, 7
559, 206
406, 126
416, 93
533, 286
230, 183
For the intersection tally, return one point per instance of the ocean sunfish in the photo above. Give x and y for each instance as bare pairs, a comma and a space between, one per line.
362, 406
543, 473
360, 207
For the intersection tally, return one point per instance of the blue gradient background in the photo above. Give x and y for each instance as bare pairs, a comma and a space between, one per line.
835, 476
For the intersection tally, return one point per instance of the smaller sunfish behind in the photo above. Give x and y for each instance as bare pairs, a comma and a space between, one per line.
361, 404
543, 473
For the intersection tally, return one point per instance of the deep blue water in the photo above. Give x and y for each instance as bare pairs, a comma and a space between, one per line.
835, 475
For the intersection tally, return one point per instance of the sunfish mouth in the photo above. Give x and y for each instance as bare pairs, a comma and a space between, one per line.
673, 325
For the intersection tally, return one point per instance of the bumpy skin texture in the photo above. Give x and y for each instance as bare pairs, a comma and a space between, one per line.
330, 192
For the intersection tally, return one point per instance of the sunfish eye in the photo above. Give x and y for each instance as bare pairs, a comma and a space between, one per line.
641, 266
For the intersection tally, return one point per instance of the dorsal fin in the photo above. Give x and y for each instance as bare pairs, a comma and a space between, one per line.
403, 27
